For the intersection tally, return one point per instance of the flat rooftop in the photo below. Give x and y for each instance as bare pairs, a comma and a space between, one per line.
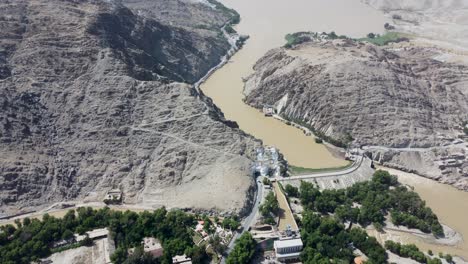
297, 242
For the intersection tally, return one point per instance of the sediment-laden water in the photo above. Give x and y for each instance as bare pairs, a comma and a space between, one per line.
267, 22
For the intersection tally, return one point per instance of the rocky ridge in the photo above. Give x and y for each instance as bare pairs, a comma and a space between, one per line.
96, 95
399, 104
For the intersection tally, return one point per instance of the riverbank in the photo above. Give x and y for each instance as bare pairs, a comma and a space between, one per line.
448, 203
266, 23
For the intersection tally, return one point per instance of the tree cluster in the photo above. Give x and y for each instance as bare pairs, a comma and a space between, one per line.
291, 191
410, 251
243, 250
326, 241
231, 223
33, 239
269, 207
369, 202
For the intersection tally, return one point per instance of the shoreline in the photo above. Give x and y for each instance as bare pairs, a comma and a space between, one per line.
448, 203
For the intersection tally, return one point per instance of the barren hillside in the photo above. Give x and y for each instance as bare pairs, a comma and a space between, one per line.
445, 21
92, 99
401, 105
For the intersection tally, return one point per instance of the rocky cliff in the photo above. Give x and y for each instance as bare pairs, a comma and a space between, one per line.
94, 95
399, 104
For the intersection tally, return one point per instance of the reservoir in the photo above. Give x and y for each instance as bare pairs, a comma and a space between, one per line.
267, 22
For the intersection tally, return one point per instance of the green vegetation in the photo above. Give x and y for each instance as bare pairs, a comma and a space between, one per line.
295, 170
32, 239
229, 29
465, 128
243, 250
341, 142
231, 223
382, 40
301, 37
266, 181
376, 198
269, 208
376, 39
235, 17
318, 140
411, 251
326, 241
291, 191
296, 38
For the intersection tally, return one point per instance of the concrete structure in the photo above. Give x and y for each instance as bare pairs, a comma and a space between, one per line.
113, 196
268, 110
93, 234
152, 246
360, 171
181, 259
288, 249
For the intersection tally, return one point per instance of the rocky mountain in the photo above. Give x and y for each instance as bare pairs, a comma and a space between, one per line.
96, 95
396, 102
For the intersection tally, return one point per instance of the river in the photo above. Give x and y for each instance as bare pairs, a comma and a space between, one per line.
267, 22
447, 202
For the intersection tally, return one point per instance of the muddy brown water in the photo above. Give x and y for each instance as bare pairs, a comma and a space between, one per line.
267, 22
447, 202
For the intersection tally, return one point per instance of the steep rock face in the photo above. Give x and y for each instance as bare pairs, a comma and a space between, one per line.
89, 102
399, 99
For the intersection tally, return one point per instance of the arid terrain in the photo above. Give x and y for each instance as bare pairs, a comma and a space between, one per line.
96, 95
441, 22
400, 105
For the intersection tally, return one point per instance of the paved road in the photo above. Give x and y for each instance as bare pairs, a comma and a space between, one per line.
249, 220
354, 167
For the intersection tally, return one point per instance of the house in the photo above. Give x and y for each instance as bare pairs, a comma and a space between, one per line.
288, 249
200, 225
181, 259
152, 246
113, 196
268, 110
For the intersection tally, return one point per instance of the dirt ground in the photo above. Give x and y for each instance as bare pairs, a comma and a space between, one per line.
286, 216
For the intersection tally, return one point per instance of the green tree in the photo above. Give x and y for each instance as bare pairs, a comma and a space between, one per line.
291, 190
270, 205
308, 193
243, 251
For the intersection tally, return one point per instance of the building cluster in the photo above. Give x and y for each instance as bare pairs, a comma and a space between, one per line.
154, 247
222, 233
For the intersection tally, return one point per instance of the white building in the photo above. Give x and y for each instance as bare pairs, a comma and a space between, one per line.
181, 259
289, 249
268, 110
